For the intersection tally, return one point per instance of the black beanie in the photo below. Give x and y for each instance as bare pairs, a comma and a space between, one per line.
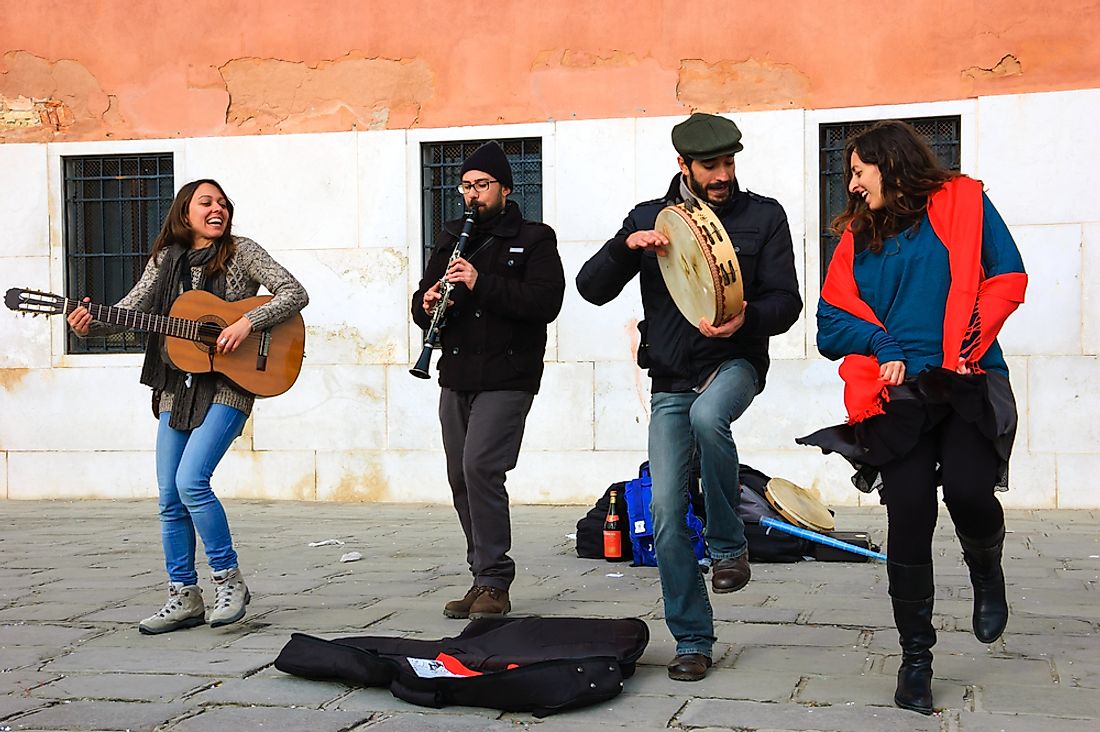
490, 158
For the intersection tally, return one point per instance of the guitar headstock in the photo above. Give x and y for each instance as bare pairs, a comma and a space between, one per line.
34, 302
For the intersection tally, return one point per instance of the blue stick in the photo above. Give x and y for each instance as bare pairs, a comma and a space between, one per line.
820, 538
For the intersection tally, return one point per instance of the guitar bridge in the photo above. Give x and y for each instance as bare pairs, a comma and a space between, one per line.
261, 352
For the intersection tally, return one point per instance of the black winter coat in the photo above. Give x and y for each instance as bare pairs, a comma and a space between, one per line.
677, 355
495, 336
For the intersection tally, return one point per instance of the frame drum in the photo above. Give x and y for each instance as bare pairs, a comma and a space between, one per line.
798, 505
700, 266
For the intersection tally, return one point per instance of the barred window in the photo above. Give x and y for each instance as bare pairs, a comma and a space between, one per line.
114, 206
441, 166
941, 133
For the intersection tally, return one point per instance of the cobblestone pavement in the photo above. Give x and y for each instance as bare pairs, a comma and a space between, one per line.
807, 646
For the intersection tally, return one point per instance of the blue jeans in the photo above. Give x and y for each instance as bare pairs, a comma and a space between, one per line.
185, 462
677, 420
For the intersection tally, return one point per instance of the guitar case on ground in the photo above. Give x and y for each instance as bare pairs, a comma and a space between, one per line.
524, 664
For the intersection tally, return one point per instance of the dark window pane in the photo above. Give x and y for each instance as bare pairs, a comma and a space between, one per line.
441, 163
941, 134
114, 206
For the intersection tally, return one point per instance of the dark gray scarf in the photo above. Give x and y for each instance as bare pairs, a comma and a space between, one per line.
192, 393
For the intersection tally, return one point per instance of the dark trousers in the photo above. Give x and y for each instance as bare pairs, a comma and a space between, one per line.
482, 432
968, 465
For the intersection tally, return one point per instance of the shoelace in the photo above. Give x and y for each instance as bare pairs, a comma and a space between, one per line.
223, 594
173, 603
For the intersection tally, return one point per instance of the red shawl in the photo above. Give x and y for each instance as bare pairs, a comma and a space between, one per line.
977, 306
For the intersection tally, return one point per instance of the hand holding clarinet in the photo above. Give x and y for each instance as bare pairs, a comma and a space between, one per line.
438, 297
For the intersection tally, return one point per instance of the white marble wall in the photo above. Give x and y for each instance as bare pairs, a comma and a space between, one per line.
342, 211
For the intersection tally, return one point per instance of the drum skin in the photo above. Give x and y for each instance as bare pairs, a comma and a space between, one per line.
798, 505
700, 268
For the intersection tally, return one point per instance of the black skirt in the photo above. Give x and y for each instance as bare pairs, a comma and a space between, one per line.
915, 407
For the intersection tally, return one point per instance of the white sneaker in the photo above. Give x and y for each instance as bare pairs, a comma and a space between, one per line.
184, 609
230, 597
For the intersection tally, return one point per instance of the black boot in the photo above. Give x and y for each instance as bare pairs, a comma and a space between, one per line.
983, 557
911, 593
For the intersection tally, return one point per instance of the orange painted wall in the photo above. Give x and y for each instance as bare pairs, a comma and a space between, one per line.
120, 69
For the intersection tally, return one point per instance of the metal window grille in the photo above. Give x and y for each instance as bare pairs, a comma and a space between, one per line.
941, 133
441, 165
114, 206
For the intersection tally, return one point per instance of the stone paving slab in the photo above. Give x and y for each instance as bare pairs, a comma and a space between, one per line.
122, 687
281, 719
979, 722
870, 690
754, 715
11, 705
99, 716
1029, 700
22, 682
798, 659
126, 660
281, 691
720, 683
806, 646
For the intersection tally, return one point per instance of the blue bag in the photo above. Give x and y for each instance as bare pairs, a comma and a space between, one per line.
639, 494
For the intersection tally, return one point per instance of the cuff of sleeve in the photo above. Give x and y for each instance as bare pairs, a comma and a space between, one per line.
620, 252
886, 349
259, 322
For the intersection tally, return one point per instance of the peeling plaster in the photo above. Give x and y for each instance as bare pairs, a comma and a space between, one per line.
1009, 65
740, 85
272, 95
41, 99
569, 58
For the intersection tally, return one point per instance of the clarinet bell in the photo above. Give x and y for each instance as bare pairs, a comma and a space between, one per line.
420, 370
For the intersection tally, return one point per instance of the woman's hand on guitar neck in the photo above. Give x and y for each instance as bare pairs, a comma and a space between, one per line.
80, 319
234, 335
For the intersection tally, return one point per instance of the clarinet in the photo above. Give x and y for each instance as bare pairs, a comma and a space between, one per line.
439, 312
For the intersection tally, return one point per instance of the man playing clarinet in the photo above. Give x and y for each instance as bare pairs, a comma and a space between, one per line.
507, 286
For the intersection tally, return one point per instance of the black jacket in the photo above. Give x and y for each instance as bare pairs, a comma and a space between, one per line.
677, 355
495, 336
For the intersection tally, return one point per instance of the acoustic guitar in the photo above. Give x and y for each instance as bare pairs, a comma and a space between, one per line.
266, 363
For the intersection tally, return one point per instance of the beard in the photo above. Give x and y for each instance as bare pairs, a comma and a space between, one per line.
716, 193
486, 210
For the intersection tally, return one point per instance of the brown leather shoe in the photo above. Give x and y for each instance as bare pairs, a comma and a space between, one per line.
492, 602
689, 667
460, 609
730, 575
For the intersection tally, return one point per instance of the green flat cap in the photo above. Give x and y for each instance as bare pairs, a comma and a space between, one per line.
705, 136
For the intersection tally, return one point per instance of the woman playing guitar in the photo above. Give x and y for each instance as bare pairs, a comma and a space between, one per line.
199, 414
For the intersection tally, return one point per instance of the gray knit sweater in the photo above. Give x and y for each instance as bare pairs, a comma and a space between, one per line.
248, 268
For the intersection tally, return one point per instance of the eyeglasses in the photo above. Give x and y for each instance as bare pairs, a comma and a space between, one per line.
478, 185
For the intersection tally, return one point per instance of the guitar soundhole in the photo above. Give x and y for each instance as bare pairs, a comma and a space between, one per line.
209, 330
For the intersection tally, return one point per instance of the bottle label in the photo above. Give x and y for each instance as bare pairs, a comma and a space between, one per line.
612, 544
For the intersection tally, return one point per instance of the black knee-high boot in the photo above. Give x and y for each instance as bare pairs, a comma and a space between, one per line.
911, 593
983, 557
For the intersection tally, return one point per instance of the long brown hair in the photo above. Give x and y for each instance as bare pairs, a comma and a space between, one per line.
910, 174
177, 230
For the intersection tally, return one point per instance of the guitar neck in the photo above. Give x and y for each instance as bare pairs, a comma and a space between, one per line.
163, 324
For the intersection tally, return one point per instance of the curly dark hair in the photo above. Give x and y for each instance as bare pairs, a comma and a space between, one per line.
910, 174
177, 230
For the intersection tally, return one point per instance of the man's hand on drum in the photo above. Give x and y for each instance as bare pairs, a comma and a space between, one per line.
431, 297
649, 239
726, 329
892, 372
462, 271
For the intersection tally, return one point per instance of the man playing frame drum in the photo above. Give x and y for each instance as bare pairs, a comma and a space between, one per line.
704, 374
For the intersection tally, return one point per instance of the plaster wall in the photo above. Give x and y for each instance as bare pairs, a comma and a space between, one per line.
341, 210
